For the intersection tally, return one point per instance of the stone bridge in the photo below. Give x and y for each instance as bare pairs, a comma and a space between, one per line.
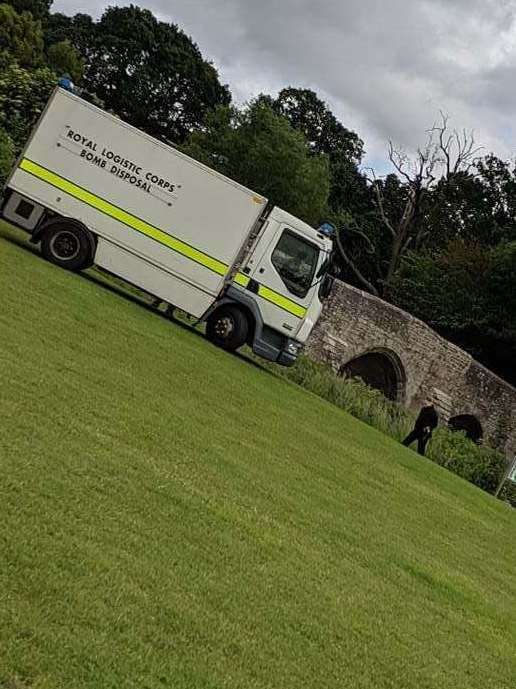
362, 336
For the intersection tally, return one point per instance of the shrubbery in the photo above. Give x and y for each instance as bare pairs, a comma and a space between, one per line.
6, 155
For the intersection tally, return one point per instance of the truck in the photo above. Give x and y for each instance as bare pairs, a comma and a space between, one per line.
91, 189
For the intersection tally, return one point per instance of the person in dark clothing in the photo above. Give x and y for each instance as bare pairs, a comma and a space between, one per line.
425, 425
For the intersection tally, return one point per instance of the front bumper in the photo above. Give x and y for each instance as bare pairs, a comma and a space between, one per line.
290, 352
286, 359
283, 352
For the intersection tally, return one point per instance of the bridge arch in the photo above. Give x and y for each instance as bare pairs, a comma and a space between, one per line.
381, 369
468, 424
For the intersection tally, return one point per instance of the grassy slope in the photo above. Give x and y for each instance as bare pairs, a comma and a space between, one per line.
175, 516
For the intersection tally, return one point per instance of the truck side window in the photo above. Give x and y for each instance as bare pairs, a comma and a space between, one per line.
295, 260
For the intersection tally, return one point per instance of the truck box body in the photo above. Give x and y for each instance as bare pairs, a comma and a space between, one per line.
142, 198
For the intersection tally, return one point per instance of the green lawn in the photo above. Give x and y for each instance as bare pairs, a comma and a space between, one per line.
173, 516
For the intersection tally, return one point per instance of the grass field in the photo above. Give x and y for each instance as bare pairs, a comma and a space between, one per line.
173, 516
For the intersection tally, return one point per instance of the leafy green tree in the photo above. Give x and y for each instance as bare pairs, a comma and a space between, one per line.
260, 149
81, 30
478, 204
324, 133
467, 293
307, 113
148, 72
23, 95
38, 8
6, 155
21, 37
63, 58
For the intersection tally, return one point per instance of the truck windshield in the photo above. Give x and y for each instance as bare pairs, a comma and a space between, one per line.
295, 260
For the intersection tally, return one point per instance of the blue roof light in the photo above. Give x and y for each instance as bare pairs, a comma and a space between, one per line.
327, 229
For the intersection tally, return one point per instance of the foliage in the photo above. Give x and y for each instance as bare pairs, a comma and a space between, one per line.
477, 464
260, 150
351, 394
23, 95
349, 194
38, 8
148, 72
63, 58
476, 205
81, 30
466, 292
324, 133
6, 156
20, 37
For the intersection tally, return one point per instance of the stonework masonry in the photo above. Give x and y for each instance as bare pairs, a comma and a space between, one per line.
424, 365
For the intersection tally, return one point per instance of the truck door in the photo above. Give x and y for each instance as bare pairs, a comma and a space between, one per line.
283, 271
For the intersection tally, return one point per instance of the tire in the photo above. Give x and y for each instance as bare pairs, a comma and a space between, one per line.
228, 328
66, 245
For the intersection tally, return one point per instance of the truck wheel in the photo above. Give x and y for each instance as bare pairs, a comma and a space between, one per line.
66, 245
228, 328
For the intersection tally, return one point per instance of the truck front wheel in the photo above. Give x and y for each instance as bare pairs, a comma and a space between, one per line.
227, 327
66, 245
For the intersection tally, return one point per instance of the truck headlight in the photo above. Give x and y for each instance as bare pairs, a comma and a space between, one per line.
293, 347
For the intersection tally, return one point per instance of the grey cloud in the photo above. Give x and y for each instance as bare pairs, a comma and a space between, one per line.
386, 67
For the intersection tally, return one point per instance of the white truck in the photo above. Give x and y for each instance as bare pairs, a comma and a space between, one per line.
91, 189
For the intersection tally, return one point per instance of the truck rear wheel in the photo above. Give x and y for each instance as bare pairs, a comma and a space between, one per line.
66, 245
228, 328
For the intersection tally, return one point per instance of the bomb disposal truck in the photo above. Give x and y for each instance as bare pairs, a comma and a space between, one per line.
93, 190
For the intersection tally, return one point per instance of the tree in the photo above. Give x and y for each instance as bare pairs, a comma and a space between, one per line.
38, 8
467, 293
80, 30
21, 38
6, 155
23, 95
402, 204
476, 205
260, 149
307, 113
148, 72
63, 58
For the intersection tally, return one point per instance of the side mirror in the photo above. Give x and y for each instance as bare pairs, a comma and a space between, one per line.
326, 287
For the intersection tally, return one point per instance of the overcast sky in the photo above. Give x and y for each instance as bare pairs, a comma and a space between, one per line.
385, 67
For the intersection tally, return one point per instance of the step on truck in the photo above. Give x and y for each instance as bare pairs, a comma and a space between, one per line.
93, 190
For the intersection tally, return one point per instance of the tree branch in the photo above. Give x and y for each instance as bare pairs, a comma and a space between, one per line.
350, 263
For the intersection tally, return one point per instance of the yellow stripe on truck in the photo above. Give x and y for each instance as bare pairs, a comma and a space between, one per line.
281, 301
273, 297
124, 217
241, 279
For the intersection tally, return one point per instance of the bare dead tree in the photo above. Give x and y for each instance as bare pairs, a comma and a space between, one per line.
446, 153
457, 150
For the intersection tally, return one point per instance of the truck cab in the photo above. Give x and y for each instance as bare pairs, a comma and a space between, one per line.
281, 284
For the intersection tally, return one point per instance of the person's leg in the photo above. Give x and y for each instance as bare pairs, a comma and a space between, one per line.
413, 435
422, 443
